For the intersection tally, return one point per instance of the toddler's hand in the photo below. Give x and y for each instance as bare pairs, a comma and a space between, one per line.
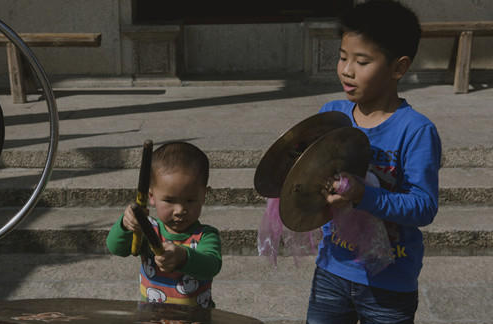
174, 257
129, 221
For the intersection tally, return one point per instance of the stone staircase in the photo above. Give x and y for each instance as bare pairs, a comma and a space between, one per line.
59, 251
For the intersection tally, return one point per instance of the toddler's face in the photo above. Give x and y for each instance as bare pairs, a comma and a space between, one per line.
178, 196
363, 69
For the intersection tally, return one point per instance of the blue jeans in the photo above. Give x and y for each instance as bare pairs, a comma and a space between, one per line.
335, 300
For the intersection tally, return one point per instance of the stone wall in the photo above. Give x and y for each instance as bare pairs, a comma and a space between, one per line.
127, 49
91, 16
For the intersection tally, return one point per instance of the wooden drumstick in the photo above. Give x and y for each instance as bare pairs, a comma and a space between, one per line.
147, 230
142, 192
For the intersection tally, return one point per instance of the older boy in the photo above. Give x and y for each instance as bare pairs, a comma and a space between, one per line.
379, 41
192, 257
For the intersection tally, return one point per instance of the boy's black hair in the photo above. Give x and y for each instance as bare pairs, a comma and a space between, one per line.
180, 155
394, 28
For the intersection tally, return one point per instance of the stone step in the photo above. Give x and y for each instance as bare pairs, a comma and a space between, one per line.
116, 158
452, 289
124, 158
456, 230
116, 187
84, 230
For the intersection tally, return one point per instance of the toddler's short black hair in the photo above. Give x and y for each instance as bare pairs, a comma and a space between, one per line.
389, 24
180, 155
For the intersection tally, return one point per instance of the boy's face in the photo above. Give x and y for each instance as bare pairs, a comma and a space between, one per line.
178, 196
364, 70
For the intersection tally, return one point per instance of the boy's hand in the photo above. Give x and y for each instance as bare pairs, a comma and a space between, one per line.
129, 221
343, 190
174, 257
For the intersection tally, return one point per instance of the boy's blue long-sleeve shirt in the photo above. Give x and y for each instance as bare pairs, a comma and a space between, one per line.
406, 157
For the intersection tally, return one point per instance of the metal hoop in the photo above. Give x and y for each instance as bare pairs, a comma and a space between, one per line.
2, 130
53, 116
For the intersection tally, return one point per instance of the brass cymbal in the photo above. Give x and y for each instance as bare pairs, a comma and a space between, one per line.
303, 207
100, 311
281, 156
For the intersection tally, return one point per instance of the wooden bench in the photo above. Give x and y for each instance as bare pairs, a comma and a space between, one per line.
463, 31
19, 73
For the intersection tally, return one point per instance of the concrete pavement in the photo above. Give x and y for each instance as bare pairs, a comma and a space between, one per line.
221, 117
102, 130
453, 290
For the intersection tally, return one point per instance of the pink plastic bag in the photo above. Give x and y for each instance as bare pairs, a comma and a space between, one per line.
272, 233
362, 230
365, 232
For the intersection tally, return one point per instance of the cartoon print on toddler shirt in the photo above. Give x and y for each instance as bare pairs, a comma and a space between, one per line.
193, 244
187, 285
204, 299
155, 296
184, 284
149, 268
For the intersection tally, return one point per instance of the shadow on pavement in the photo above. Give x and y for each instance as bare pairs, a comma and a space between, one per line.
283, 93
